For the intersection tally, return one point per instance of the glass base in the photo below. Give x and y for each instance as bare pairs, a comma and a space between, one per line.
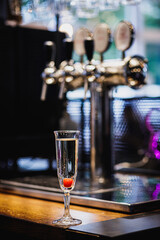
65, 221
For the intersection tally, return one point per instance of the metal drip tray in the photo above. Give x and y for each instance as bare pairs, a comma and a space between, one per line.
125, 192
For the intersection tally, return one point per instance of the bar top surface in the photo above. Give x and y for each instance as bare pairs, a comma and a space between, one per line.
33, 218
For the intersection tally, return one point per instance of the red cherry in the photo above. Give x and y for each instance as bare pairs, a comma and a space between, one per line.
67, 182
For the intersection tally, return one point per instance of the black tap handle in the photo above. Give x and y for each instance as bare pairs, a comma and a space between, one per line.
68, 48
49, 51
89, 48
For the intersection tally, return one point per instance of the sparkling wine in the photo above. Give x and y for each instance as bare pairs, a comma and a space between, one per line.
67, 160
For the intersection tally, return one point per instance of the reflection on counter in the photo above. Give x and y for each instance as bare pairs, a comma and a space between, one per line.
124, 192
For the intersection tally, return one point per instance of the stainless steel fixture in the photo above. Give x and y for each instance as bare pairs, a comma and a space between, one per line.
99, 78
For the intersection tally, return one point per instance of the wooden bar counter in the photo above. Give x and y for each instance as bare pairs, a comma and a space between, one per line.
29, 218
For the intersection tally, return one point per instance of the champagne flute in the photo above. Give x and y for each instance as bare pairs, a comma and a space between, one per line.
67, 162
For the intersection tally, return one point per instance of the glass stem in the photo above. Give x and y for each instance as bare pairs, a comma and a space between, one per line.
66, 205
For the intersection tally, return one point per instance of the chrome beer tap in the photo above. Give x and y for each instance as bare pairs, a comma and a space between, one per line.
131, 71
136, 69
70, 75
103, 40
98, 77
90, 79
50, 69
66, 67
90, 68
79, 47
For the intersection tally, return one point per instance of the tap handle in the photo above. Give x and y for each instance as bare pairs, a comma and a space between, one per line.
102, 38
68, 48
124, 36
79, 37
89, 47
49, 51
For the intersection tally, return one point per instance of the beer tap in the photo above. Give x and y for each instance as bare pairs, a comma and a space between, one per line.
131, 71
110, 72
79, 47
103, 40
90, 68
50, 69
66, 67
70, 74
79, 37
136, 69
90, 78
